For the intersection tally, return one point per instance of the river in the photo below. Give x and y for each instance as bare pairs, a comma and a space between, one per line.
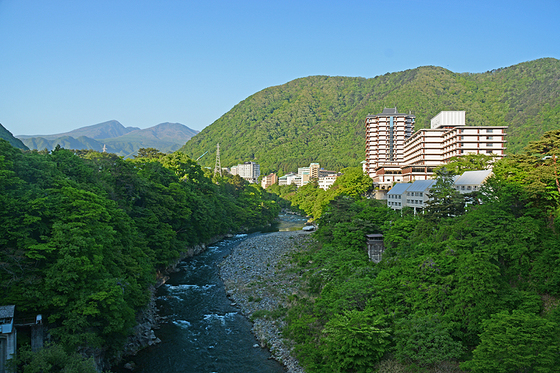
204, 331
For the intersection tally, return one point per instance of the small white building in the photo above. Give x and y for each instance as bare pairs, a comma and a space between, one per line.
325, 182
417, 194
471, 181
249, 171
396, 197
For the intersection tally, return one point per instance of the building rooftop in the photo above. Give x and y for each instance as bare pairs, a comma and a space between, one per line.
399, 188
473, 177
420, 185
390, 111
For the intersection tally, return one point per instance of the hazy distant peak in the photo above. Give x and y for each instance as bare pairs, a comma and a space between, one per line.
105, 130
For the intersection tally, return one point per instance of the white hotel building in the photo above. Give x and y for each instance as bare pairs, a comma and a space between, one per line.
249, 171
414, 155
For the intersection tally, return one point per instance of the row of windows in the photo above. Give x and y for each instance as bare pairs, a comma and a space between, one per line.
467, 188
414, 194
414, 202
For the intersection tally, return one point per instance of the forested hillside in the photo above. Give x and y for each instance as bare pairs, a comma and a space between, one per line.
321, 118
82, 236
7, 135
470, 285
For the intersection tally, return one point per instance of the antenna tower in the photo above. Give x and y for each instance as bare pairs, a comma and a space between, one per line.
218, 166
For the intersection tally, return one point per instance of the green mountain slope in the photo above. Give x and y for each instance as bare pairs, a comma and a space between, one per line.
7, 135
321, 118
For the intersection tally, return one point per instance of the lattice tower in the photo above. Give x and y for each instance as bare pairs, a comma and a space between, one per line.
218, 166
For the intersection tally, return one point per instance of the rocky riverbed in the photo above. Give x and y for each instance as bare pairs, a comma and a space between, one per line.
258, 279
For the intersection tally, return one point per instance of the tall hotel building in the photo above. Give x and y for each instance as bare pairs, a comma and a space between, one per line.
386, 134
415, 155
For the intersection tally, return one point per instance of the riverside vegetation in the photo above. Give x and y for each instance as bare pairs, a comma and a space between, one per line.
470, 285
83, 236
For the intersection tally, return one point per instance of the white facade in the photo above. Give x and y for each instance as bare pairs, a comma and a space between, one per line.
426, 149
471, 181
325, 182
448, 118
385, 138
249, 171
413, 195
396, 197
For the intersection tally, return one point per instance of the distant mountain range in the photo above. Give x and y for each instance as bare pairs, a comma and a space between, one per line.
115, 138
321, 118
7, 135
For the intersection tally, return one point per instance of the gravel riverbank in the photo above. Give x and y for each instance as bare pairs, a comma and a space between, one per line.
257, 278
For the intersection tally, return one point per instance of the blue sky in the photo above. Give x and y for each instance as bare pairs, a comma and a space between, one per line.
69, 64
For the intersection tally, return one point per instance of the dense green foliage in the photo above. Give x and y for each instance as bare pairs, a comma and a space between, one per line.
478, 286
321, 118
7, 135
81, 237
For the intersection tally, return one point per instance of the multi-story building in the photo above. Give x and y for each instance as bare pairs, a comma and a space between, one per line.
314, 170
249, 171
385, 137
269, 180
426, 149
325, 182
304, 174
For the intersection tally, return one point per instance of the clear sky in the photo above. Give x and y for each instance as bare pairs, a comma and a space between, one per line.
66, 64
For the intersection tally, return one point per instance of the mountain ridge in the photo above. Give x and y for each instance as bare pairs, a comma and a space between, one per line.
321, 118
166, 137
103, 130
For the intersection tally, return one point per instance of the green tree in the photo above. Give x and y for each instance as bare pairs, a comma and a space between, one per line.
53, 359
516, 342
354, 341
445, 201
425, 340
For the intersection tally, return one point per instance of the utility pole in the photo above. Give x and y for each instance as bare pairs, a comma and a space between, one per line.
218, 166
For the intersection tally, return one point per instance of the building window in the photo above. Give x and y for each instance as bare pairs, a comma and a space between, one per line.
489, 131
489, 137
489, 145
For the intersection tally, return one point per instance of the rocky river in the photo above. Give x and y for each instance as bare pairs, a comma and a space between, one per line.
205, 308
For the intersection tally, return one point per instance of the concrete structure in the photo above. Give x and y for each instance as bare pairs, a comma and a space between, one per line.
269, 180
375, 247
325, 182
426, 149
8, 336
314, 170
385, 137
249, 171
471, 181
396, 196
417, 194
304, 174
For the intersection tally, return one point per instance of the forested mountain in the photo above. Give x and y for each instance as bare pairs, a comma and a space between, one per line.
124, 141
321, 118
7, 135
